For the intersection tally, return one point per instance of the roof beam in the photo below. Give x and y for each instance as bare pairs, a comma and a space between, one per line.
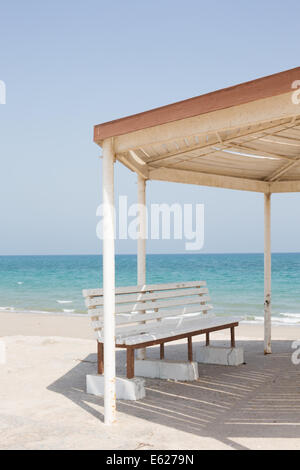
226, 143
285, 187
294, 142
258, 153
167, 156
281, 171
254, 136
254, 113
208, 179
275, 129
134, 165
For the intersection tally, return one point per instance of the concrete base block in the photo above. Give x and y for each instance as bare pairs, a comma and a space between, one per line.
126, 389
221, 356
164, 369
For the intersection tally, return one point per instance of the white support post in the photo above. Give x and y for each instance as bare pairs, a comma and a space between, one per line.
141, 251
267, 270
109, 282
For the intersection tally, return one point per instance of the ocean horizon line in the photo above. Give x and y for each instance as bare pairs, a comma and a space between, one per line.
158, 254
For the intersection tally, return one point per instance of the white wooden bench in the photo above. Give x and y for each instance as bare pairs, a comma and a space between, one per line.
156, 314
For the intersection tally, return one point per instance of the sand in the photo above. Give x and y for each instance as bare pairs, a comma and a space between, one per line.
43, 404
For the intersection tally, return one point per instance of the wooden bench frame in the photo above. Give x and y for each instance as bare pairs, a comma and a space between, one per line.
161, 342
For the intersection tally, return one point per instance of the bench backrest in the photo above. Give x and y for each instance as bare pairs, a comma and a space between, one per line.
139, 308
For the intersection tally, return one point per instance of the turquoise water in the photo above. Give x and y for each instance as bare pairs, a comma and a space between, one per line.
54, 283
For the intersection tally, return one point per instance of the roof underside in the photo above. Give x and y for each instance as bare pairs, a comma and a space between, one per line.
245, 137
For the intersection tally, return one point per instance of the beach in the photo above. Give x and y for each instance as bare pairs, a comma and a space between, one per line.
43, 403
78, 326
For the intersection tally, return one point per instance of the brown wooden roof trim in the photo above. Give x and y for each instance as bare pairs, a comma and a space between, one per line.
260, 88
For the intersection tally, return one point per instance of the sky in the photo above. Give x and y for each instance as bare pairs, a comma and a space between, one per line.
70, 65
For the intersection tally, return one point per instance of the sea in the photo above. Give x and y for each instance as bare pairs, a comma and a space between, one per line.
54, 283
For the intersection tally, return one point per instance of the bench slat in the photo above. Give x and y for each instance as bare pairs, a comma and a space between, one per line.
138, 317
142, 296
137, 307
145, 288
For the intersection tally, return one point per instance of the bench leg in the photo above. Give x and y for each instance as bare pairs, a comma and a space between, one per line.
232, 337
207, 339
100, 358
162, 351
130, 363
190, 349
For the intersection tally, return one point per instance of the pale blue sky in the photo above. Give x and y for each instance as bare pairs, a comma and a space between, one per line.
69, 65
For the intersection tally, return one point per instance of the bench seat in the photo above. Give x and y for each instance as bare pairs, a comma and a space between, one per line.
156, 314
174, 327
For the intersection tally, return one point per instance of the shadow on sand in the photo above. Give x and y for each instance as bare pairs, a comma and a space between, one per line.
258, 399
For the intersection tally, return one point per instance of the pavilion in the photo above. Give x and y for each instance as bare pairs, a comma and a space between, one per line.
246, 137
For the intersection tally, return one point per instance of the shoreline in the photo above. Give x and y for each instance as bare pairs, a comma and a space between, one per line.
42, 312
277, 320
78, 326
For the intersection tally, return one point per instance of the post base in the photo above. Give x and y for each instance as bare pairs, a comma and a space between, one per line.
220, 356
164, 369
126, 389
